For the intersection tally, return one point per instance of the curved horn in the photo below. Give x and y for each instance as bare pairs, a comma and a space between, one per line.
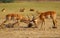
33, 17
28, 17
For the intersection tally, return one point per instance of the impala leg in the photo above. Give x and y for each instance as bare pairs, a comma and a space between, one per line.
43, 23
54, 23
3, 24
7, 19
18, 22
4, 21
54, 20
13, 18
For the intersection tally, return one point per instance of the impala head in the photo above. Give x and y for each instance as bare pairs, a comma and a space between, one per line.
33, 21
30, 22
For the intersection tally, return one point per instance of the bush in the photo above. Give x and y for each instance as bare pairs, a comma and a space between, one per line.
6, 1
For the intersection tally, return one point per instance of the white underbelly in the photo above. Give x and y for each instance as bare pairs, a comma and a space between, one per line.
48, 16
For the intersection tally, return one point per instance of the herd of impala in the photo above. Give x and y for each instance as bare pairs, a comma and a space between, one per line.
41, 17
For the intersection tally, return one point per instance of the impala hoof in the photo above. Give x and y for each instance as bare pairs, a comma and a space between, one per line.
54, 27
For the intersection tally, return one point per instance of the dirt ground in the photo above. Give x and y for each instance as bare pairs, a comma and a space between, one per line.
46, 32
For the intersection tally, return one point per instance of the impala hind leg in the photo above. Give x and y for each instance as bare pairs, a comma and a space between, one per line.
7, 19
4, 22
54, 20
3, 25
54, 23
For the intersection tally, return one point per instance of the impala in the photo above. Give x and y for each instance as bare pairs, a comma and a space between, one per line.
47, 14
15, 17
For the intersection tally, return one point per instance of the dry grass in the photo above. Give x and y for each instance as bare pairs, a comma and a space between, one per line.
19, 31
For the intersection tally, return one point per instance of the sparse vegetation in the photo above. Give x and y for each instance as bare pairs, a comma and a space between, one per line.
30, 32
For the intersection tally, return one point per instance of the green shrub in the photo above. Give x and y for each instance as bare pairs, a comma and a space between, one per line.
6, 1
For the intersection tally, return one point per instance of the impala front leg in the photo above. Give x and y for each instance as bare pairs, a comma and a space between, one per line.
43, 23
18, 22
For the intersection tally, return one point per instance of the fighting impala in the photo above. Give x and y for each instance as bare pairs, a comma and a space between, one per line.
44, 15
16, 17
